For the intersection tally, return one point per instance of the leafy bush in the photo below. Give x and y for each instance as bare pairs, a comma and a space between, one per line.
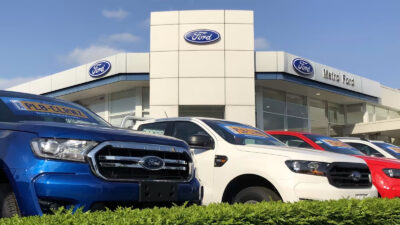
369, 211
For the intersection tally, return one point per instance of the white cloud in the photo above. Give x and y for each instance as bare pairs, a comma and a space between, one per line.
122, 37
118, 14
261, 43
7, 83
80, 56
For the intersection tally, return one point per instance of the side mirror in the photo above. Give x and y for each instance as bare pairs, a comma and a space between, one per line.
201, 141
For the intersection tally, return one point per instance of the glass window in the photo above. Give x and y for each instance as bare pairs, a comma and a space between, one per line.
184, 130
121, 104
389, 148
394, 114
145, 99
240, 134
154, 128
366, 149
274, 101
318, 118
18, 109
297, 106
335, 113
371, 113
381, 113
96, 104
297, 124
202, 111
274, 121
333, 145
355, 113
292, 141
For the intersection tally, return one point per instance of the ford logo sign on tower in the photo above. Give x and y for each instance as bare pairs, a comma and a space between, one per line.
99, 69
303, 67
202, 36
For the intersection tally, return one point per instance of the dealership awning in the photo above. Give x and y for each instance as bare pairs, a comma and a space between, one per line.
390, 128
110, 84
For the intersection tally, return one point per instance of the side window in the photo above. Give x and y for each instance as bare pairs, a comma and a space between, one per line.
365, 149
292, 141
183, 130
154, 128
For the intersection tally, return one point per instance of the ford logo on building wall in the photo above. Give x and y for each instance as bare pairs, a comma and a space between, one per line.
99, 69
202, 36
152, 163
303, 67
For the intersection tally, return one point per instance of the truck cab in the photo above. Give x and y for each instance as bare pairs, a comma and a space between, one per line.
239, 163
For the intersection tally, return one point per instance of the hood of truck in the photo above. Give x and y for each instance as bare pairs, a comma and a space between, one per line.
300, 153
90, 132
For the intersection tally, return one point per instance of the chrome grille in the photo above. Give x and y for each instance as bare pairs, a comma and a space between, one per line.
121, 161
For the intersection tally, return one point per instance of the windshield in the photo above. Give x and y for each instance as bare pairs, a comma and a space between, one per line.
14, 109
333, 145
389, 148
240, 134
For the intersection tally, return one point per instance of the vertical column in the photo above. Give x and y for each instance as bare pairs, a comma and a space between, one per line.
164, 37
201, 66
239, 67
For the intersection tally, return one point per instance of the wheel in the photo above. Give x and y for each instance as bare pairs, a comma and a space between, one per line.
8, 202
255, 194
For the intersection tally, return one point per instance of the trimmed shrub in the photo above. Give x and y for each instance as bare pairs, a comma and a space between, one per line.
368, 211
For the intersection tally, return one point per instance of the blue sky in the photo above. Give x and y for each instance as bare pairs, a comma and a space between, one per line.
42, 37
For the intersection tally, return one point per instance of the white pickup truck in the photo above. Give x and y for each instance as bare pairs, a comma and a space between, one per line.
240, 163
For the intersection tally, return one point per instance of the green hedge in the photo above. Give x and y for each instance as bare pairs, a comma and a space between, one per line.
369, 211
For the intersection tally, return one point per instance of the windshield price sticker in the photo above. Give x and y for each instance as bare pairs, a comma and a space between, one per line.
154, 131
47, 108
22, 106
396, 149
335, 143
246, 131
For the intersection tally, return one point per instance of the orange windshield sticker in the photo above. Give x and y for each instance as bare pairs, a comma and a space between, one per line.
335, 143
247, 131
396, 149
47, 108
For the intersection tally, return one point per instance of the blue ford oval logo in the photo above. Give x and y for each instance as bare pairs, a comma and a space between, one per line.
303, 67
152, 163
99, 69
356, 176
202, 36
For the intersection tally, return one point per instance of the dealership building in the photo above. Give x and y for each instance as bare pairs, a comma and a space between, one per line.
203, 63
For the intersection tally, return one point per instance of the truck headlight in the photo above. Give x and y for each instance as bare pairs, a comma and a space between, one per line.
64, 149
308, 167
393, 173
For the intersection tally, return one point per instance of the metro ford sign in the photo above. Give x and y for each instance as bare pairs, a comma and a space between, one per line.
202, 36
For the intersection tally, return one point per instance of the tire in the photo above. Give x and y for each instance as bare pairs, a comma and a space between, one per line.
8, 202
255, 194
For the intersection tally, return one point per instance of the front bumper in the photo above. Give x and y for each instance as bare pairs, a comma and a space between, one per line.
387, 187
309, 187
84, 190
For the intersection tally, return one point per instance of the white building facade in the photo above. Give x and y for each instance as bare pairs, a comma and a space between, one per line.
203, 63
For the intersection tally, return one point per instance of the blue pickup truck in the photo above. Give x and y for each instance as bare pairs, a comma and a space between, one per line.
54, 153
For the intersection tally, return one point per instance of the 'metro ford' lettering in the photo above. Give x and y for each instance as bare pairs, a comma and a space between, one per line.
202, 36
